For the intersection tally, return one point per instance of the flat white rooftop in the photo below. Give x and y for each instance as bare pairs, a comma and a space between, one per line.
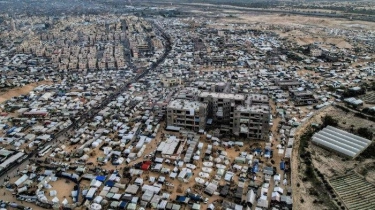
340, 141
169, 146
185, 104
256, 108
223, 95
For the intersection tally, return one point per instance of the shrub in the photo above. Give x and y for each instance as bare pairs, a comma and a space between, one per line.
329, 120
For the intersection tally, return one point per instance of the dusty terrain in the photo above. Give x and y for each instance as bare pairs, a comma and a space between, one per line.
297, 20
300, 29
296, 175
4, 96
327, 162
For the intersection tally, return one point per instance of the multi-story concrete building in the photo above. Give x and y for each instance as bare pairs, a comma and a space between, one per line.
287, 84
302, 98
252, 119
169, 80
220, 105
187, 114
242, 115
316, 52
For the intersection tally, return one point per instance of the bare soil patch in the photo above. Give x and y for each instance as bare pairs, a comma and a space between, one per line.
20, 90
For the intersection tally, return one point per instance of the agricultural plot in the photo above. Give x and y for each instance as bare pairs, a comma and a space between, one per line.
355, 192
369, 98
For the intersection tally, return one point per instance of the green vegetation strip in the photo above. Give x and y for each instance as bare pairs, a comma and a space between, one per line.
320, 187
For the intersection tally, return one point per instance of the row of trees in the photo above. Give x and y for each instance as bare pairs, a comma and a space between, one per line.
368, 111
362, 131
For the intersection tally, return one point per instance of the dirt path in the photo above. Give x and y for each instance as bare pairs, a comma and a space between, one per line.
296, 177
20, 90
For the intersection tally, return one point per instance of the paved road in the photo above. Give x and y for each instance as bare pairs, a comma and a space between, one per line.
12, 171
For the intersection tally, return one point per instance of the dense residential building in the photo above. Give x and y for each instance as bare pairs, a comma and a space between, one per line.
315, 52
302, 98
187, 114
252, 119
169, 80
287, 84
220, 105
242, 115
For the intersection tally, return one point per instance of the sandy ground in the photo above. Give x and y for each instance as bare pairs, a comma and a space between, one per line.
327, 162
179, 187
303, 30
297, 20
63, 188
346, 120
20, 90
296, 175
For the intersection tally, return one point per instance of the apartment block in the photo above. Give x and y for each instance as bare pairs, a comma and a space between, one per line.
242, 115
169, 80
187, 114
220, 105
302, 98
252, 119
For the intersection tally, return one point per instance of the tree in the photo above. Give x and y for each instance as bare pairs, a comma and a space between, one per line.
368, 111
365, 133
329, 120
353, 93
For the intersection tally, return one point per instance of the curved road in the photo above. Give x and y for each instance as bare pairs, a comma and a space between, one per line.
13, 169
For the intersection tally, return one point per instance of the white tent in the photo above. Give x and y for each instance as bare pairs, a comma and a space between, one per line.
199, 180
95, 206
84, 157
204, 175
208, 164
21, 180
95, 183
276, 177
263, 202
217, 160
191, 166
196, 157
220, 166
207, 170
52, 193
220, 172
275, 196
55, 200
279, 190
64, 202
98, 199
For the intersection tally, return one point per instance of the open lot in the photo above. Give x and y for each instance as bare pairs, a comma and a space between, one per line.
328, 163
355, 192
8, 94
369, 98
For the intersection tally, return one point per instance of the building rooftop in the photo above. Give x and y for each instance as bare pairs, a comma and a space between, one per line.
341, 141
258, 108
232, 96
185, 104
258, 97
302, 93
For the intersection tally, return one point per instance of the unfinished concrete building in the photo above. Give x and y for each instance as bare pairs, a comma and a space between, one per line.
302, 98
242, 115
287, 84
220, 105
186, 114
251, 120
